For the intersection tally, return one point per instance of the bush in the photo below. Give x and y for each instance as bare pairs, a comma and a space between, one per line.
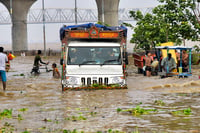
195, 58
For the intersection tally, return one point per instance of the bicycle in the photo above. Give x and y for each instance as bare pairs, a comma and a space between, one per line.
36, 69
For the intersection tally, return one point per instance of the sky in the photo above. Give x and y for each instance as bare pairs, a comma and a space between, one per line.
35, 32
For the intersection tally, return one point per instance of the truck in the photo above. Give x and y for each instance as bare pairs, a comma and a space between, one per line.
93, 56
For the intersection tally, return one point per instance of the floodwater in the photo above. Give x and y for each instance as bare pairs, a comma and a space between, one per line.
39, 106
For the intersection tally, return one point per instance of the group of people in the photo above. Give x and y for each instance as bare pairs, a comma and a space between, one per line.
168, 64
38, 60
4, 60
185, 60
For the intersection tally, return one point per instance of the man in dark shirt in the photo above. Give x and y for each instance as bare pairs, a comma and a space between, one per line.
37, 62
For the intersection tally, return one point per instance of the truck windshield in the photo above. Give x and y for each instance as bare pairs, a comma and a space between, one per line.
94, 56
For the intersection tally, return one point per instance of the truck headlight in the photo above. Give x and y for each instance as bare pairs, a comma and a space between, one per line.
72, 80
117, 79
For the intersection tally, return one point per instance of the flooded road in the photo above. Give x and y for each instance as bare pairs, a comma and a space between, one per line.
150, 105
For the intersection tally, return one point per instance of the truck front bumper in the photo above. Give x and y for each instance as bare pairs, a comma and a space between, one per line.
91, 81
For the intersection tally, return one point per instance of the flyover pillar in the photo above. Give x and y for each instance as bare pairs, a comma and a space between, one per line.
108, 10
18, 14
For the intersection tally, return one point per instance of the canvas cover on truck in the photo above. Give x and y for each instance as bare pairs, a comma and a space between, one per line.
89, 25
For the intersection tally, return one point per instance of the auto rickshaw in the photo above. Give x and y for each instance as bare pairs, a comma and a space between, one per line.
162, 51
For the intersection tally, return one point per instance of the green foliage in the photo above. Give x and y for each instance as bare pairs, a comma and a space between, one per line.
137, 111
47, 120
102, 23
19, 117
195, 57
119, 110
93, 113
19, 74
68, 131
128, 25
95, 85
26, 132
108, 131
172, 21
76, 118
196, 48
7, 113
183, 112
23, 109
7, 128
159, 102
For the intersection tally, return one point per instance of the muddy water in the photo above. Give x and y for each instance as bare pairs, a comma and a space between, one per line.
47, 109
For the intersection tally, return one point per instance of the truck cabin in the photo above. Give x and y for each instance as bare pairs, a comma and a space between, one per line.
93, 41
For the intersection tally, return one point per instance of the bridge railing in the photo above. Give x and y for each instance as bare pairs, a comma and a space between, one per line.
67, 15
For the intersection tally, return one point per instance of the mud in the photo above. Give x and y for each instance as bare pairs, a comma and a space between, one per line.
47, 109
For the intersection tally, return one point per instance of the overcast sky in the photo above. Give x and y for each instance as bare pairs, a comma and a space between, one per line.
35, 33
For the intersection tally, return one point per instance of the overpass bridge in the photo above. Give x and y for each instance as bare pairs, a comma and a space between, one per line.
20, 13
67, 15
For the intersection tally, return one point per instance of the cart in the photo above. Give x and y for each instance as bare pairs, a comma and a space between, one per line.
36, 69
179, 73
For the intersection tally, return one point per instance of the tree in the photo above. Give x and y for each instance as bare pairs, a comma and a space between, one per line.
173, 20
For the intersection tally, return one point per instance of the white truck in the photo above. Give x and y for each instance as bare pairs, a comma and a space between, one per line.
93, 55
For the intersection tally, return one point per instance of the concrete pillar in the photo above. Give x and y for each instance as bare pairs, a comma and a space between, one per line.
19, 13
110, 12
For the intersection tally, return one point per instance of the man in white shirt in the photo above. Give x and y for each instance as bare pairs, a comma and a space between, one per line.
3, 60
168, 63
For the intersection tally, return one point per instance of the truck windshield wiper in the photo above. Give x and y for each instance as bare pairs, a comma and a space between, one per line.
85, 62
106, 61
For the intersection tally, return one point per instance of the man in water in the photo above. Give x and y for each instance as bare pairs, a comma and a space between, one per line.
3, 60
56, 73
37, 62
148, 61
168, 63
185, 60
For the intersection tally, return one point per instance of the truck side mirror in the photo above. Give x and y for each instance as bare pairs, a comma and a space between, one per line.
125, 57
61, 61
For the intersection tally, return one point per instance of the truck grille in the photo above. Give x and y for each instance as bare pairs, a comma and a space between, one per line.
89, 81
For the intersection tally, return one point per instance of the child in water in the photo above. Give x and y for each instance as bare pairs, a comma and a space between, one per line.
56, 73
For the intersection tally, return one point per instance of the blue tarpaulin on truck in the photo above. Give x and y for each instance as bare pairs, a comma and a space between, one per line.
89, 25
